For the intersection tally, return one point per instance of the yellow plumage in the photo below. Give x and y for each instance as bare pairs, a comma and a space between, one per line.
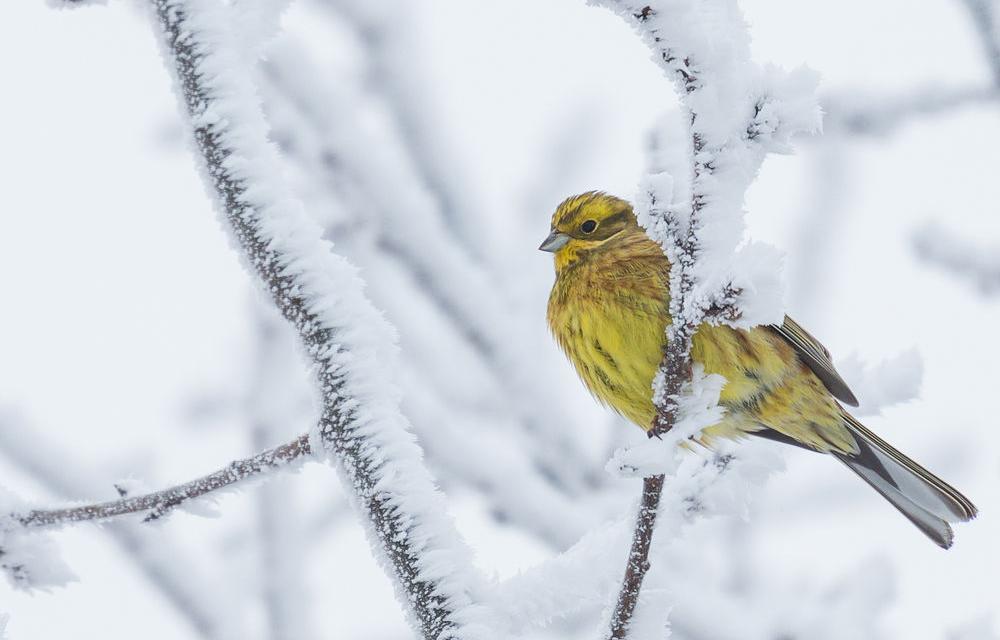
608, 310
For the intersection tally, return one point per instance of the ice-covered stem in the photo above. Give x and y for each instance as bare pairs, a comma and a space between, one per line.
638, 556
349, 344
736, 112
159, 503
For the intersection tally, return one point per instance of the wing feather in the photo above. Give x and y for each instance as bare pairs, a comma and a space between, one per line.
817, 358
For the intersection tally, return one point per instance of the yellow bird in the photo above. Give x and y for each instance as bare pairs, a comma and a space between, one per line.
609, 308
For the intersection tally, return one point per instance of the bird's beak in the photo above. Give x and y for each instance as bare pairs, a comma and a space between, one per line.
554, 242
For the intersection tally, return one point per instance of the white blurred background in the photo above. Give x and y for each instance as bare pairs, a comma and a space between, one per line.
433, 138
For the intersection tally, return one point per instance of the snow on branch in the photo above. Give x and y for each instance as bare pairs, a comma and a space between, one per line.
736, 113
351, 346
587, 573
28, 561
158, 503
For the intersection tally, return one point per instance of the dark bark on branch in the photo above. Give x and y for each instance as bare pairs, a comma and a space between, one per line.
159, 503
341, 413
682, 249
638, 557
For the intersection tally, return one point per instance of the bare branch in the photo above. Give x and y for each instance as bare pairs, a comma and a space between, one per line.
159, 503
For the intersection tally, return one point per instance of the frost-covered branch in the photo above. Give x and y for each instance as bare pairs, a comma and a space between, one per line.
28, 561
159, 503
735, 113
349, 344
588, 574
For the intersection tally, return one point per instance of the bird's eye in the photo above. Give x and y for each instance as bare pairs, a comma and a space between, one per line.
588, 226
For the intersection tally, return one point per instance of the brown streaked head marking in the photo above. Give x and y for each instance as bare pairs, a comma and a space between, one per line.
592, 216
585, 222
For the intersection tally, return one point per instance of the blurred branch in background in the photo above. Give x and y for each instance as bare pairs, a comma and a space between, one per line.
860, 113
395, 75
404, 225
283, 540
970, 261
939, 246
985, 16
856, 112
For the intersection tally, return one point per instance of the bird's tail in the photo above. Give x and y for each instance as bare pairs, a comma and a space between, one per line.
927, 501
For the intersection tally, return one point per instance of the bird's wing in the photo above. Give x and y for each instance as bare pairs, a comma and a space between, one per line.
817, 358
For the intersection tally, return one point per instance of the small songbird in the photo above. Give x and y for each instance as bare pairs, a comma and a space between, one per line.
609, 309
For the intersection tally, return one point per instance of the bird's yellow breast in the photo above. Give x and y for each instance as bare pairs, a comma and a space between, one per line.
609, 311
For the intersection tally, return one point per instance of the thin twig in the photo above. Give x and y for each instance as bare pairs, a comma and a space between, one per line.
638, 556
159, 503
676, 366
194, 595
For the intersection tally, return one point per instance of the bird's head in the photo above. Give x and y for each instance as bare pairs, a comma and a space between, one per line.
586, 223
